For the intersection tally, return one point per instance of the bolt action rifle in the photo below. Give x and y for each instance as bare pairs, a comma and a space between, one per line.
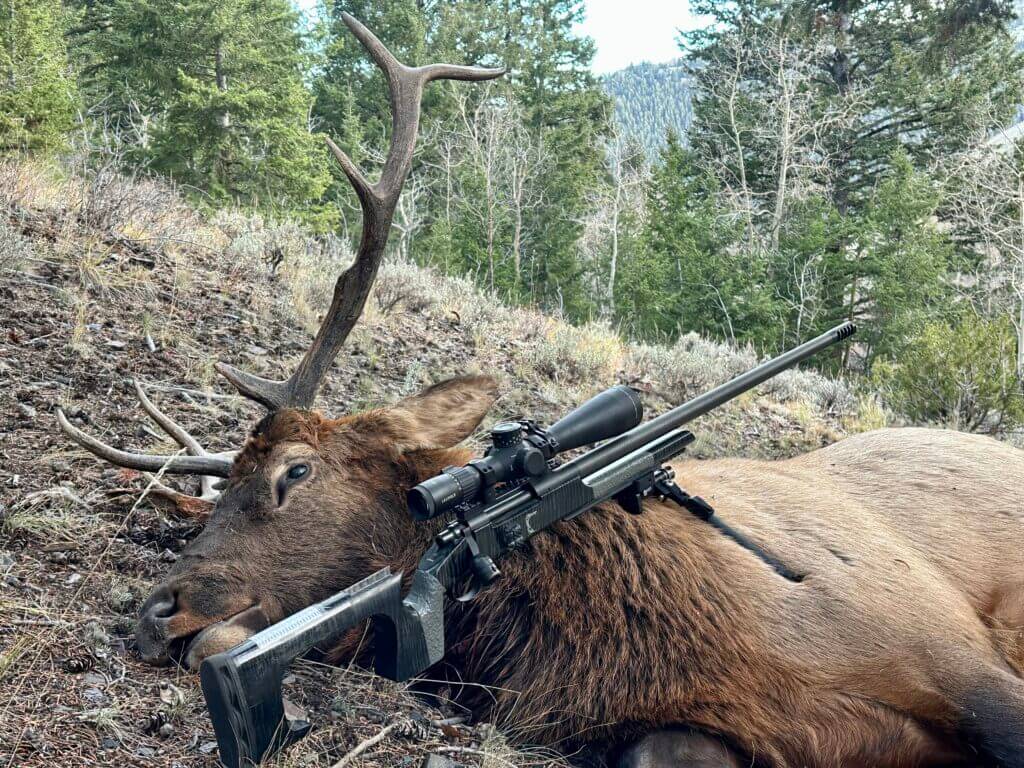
497, 503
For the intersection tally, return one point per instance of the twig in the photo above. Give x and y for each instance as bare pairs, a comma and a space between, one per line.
365, 745
186, 391
457, 720
472, 751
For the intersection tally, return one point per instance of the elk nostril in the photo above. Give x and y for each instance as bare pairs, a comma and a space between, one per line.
161, 604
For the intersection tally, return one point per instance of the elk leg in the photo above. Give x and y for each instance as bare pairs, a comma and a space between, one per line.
989, 700
678, 748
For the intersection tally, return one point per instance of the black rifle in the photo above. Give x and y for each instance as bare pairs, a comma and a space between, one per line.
499, 501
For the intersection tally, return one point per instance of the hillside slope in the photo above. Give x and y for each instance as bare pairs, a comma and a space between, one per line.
103, 280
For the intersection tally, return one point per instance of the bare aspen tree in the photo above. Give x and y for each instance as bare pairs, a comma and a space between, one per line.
526, 159
986, 202
484, 131
621, 197
507, 159
769, 87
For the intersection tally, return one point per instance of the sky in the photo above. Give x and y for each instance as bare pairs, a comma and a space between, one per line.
627, 31
636, 30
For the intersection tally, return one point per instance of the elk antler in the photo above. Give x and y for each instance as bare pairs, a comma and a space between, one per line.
378, 202
209, 466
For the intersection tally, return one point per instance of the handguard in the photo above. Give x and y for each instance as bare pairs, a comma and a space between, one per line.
242, 686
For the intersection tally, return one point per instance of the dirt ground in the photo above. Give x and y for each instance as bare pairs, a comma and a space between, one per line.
84, 310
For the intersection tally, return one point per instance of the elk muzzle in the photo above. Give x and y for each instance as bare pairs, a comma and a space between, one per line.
190, 621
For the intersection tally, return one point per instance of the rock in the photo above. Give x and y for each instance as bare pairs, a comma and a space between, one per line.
171, 694
437, 761
94, 679
27, 411
109, 743
73, 579
166, 731
6, 560
95, 696
95, 635
168, 557
116, 344
208, 747
144, 751
60, 465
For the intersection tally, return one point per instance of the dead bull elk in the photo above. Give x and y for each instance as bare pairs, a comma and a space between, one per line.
901, 645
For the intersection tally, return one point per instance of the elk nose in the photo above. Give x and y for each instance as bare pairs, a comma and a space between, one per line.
151, 633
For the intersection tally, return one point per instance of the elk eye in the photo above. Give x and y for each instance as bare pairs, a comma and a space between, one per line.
298, 471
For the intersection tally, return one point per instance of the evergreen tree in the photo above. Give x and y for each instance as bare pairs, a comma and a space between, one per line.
709, 282
37, 97
209, 92
925, 77
821, 122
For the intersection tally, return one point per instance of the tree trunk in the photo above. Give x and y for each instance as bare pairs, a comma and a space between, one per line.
615, 250
222, 81
12, 79
517, 244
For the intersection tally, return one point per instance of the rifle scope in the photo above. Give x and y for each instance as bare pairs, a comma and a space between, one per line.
520, 449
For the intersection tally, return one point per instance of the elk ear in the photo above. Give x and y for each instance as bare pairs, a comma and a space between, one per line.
440, 416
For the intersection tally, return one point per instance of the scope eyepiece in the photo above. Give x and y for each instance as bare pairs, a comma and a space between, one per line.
443, 492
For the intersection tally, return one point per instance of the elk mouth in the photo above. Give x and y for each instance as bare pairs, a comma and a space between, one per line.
190, 650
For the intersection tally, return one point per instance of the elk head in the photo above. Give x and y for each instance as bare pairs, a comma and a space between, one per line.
309, 504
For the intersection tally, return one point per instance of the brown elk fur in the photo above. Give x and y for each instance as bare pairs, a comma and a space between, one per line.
903, 630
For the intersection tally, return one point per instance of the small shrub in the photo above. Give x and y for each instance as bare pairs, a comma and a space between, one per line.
870, 414
829, 395
691, 366
401, 283
961, 375
590, 354
14, 247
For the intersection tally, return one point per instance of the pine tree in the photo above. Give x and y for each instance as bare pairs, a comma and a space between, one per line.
37, 97
822, 122
925, 77
209, 92
710, 283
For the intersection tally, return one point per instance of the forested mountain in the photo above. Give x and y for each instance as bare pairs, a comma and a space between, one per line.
651, 99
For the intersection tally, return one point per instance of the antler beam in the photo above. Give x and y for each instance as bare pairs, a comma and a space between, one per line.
378, 201
198, 462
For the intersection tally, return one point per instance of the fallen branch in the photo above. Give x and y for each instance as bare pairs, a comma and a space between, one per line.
365, 745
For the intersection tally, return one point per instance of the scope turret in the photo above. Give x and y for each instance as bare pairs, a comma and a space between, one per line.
520, 450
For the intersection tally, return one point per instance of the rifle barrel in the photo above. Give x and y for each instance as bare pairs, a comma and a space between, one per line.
688, 411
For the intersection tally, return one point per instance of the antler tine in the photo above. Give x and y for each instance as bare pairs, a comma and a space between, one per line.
378, 201
167, 424
182, 438
216, 466
433, 72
